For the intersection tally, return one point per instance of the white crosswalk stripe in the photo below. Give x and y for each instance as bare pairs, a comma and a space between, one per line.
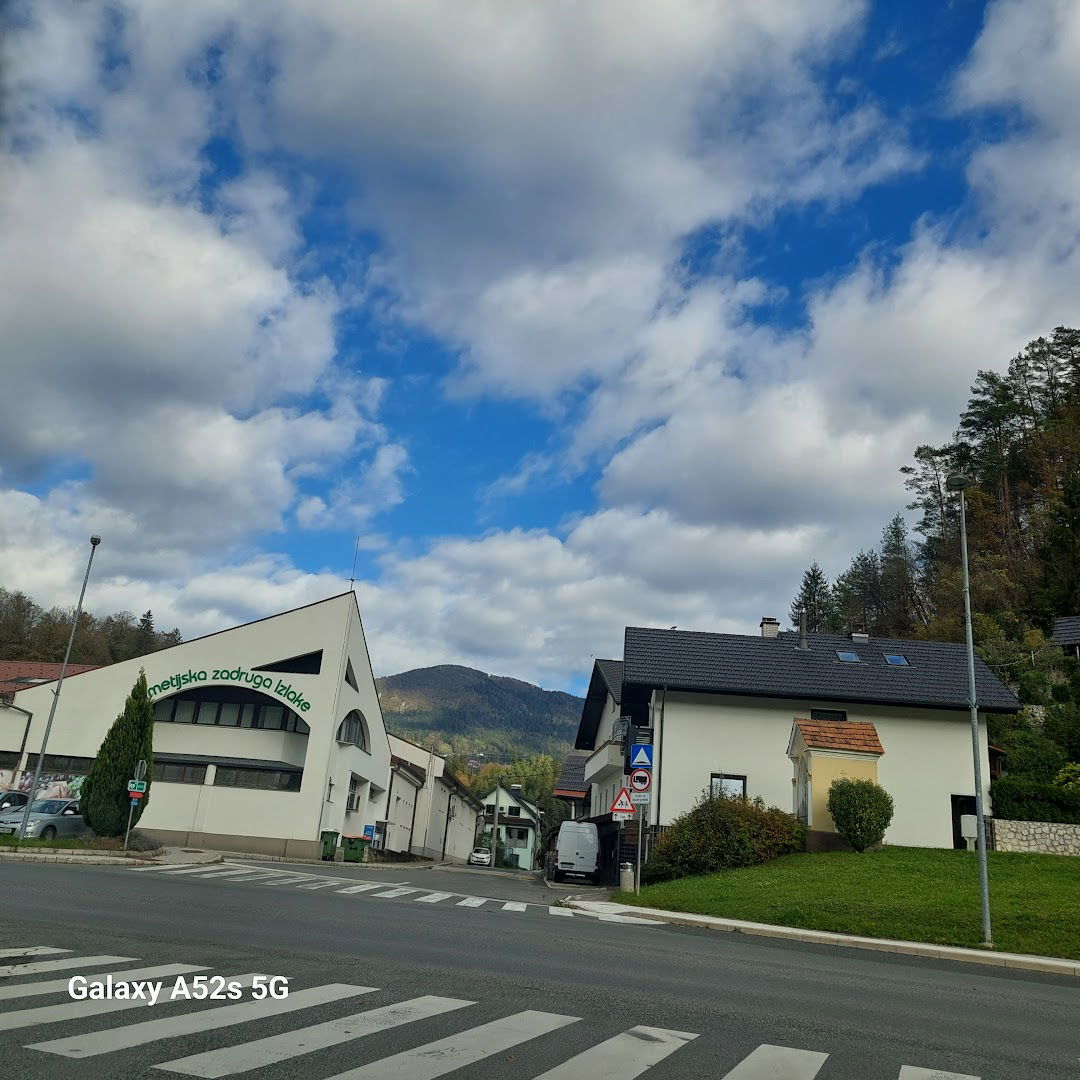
778, 1063
472, 901
60, 986
170, 1027
433, 898
911, 1072
41, 966
321, 884
359, 889
625, 1056
514, 905
291, 1044
177, 871
291, 880
455, 1052
79, 1010
560, 911
35, 950
395, 892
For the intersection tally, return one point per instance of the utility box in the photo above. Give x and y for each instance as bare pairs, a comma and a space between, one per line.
969, 830
329, 845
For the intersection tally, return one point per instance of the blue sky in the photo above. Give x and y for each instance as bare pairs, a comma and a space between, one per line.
577, 315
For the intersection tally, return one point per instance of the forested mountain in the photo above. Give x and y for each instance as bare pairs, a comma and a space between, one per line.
30, 632
1018, 441
467, 713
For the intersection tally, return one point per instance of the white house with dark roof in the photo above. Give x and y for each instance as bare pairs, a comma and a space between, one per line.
1067, 633
781, 715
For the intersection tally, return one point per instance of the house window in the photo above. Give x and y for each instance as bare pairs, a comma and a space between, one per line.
352, 730
847, 657
354, 797
513, 811
236, 712
726, 784
264, 779
170, 773
828, 714
896, 659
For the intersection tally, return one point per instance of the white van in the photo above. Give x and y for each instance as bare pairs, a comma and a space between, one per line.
577, 851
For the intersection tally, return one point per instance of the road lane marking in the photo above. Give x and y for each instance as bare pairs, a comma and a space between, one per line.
219, 873
778, 1063
320, 884
913, 1072
472, 901
34, 950
291, 1044
41, 966
625, 1056
78, 1010
59, 986
433, 898
514, 905
361, 888
171, 1027
294, 879
560, 911
466, 1048
176, 871
396, 892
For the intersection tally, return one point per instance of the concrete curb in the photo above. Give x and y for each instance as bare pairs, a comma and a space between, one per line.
1014, 961
93, 860
326, 862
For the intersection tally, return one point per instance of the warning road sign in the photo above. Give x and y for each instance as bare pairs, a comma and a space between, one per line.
641, 780
622, 803
641, 756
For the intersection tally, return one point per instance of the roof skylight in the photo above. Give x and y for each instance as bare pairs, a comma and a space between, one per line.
895, 660
848, 657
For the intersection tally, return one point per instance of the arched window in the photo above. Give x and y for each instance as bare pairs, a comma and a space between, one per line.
353, 729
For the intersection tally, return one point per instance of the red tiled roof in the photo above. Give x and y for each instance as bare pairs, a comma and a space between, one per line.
854, 735
12, 670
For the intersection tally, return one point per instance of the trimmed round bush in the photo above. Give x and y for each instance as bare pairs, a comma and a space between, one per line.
722, 832
862, 811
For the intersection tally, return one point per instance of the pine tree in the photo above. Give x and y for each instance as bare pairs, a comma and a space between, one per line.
815, 599
901, 610
104, 799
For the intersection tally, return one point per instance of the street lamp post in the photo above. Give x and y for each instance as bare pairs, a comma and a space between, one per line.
958, 482
94, 541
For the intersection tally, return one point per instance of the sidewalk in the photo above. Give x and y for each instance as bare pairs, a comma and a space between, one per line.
180, 856
1015, 961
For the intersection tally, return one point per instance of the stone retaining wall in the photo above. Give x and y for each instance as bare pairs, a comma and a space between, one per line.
1043, 836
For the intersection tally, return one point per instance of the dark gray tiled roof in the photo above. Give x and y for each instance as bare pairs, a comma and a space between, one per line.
611, 671
935, 677
1067, 630
572, 777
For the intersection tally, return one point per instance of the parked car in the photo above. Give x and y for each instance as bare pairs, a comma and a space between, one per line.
11, 799
49, 818
576, 851
479, 857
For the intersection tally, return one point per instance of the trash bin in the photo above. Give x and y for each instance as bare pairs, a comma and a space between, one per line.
329, 846
352, 848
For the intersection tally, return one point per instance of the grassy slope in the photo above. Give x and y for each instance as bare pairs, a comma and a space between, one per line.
913, 894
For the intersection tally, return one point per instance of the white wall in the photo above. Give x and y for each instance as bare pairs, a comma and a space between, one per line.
400, 813
927, 757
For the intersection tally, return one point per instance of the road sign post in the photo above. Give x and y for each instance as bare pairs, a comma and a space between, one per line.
136, 790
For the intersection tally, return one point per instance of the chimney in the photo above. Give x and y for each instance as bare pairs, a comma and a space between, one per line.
804, 645
859, 636
770, 628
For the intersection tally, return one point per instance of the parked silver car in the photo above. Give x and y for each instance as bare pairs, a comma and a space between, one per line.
11, 799
49, 818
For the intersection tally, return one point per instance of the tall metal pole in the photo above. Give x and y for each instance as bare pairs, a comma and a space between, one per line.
984, 883
94, 541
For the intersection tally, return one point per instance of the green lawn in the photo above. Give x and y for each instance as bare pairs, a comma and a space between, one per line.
93, 843
913, 894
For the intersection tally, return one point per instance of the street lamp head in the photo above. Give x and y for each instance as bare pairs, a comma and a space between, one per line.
95, 540
957, 482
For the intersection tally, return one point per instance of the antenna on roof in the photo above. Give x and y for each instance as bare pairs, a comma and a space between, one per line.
356, 551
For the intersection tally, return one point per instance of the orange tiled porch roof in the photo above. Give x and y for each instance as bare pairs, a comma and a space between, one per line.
854, 735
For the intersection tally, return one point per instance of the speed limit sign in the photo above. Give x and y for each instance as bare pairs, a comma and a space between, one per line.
640, 780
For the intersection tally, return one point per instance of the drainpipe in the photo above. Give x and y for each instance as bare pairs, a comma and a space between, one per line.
663, 702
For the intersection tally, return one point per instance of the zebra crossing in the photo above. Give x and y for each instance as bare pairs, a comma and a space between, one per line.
634, 1052
245, 874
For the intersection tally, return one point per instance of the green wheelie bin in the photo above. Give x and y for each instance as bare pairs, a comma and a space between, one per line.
329, 845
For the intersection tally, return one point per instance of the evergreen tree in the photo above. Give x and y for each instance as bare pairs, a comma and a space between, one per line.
901, 608
145, 637
815, 598
104, 799
857, 596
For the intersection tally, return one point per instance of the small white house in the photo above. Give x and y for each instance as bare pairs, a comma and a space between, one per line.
519, 824
265, 735
781, 716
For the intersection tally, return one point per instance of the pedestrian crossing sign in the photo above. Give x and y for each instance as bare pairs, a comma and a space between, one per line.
622, 803
641, 756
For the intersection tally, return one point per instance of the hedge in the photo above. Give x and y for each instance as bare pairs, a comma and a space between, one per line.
1027, 800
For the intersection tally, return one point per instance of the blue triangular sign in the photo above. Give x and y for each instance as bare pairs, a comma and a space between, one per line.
642, 758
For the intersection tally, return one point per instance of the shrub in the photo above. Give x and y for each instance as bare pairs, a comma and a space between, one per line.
1017, 799
1069, 777
1034, 688
722, 832
104, 797
1062, 724
861, 809
1061, 693
1032, 756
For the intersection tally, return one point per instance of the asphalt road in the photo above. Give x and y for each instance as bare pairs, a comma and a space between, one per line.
482, 990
